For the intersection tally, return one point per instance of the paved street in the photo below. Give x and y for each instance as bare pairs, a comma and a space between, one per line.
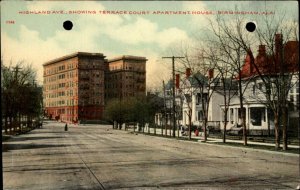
97, 157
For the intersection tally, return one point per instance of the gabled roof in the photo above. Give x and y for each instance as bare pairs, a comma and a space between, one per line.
197, 79
270, 64
169, 85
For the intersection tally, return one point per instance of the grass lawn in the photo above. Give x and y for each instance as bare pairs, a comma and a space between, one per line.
262, 147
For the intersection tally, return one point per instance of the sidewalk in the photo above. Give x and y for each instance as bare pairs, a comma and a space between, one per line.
216, 140
249, 142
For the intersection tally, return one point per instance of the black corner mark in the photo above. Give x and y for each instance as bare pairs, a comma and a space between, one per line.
250, 27
68, 25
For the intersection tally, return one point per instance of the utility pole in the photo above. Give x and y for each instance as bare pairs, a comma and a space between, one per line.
173, 88
165, 109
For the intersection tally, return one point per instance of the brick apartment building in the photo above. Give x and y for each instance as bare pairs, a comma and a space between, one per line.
126, 76
76, 86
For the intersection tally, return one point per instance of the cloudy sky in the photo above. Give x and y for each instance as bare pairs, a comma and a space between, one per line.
37, 38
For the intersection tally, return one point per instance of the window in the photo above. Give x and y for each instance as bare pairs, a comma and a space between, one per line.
292, 98
200, 115
256, 116
231, 115
260, 85
297, 102
198, 98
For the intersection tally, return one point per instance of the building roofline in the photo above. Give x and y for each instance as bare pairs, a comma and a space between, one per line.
127, 57
76, 54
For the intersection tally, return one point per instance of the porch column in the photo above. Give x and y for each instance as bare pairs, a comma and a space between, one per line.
247, 117
267, 117
193, 108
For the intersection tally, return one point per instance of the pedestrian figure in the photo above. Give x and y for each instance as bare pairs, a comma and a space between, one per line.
197, 132
66, 127
182, 130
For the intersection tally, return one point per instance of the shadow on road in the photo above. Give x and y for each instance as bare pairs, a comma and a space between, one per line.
8, 147
32, 138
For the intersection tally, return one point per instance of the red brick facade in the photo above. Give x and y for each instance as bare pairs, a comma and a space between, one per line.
269, 63
74, 85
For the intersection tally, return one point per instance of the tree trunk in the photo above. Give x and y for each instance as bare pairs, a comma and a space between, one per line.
276, 128
5, 124
190, 126
224, 132
284, 129
15, 123
269, 129
143, 125
178, 129
20, 123
10, 124
166, 121
205, 129
244, 126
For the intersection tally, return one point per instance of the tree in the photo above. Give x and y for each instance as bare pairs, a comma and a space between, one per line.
226, 33
201, 69
226, 80
277, 79
115, 112
20, 94
134, 109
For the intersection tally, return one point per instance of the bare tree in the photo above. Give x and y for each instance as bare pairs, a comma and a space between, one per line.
200, 68
277, 79
280, 45
226, 78
225, 34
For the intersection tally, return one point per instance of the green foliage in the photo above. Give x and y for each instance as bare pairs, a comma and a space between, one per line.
19, 93
135, 109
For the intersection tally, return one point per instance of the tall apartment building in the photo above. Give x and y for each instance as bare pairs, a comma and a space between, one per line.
126, 77
76, 86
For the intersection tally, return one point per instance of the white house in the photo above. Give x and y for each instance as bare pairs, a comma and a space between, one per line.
259, 118
193, 89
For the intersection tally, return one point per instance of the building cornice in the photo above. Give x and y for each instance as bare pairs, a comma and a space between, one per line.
77, 54
127, 57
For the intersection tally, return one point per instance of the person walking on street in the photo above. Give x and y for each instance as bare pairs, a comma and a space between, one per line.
66, 127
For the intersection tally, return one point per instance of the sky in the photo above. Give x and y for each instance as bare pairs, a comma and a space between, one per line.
38, 38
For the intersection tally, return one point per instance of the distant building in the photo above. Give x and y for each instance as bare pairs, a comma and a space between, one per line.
74, 85
195, 92
125, 77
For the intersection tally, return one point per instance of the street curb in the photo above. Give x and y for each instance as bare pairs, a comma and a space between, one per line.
252, 149
225, 145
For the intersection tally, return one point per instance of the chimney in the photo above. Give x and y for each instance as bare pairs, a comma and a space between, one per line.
211, 73
262, 49
177, 81
188, 72
278, 44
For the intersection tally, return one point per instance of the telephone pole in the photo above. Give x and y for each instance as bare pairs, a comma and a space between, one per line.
173, 88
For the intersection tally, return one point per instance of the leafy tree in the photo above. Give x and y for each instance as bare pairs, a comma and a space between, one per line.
136, 109
21, 96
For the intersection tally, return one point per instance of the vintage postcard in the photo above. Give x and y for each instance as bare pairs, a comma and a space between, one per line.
150, 94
